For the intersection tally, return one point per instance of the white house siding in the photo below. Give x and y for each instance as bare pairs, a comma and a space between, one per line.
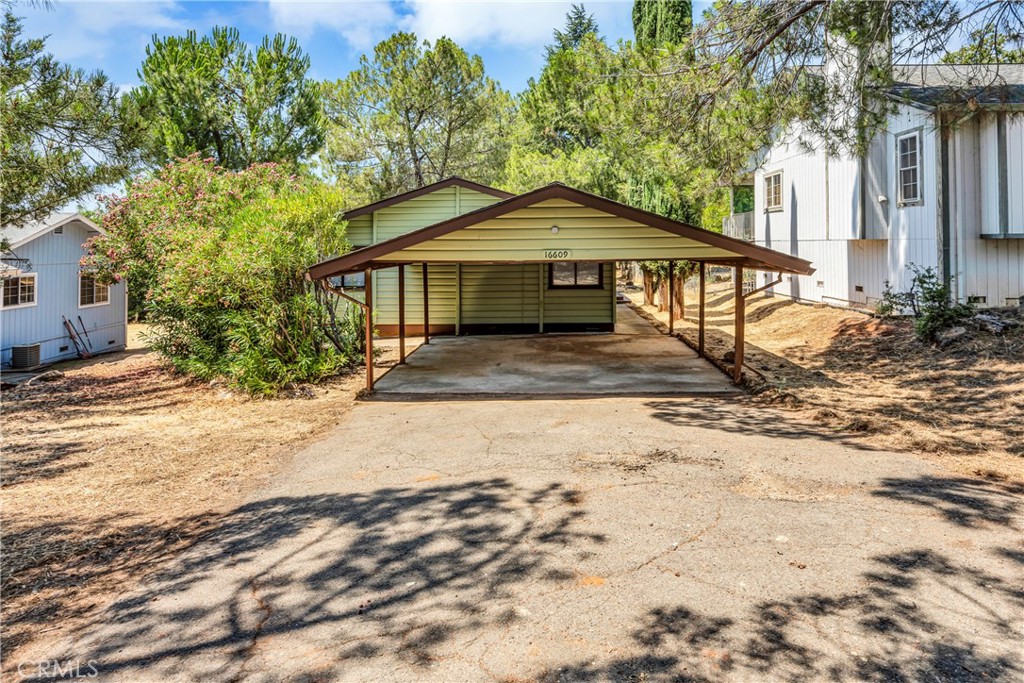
913, 230
988, 270
820, 222
55, 260
821, 205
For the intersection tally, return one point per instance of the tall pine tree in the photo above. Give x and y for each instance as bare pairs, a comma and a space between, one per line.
661, 22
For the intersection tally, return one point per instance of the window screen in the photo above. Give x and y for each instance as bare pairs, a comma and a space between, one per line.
575, 274
19, 290
91, 292
909, 158
773, 192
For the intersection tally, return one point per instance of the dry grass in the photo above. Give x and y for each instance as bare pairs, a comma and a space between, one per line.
121, 464
960, 406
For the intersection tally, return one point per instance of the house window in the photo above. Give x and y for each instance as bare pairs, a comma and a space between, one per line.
908, 162
773, 192
90, 292
19, 290
579, 275
352, 281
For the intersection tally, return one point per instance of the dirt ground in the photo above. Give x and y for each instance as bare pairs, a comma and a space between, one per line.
960, 406
121, 464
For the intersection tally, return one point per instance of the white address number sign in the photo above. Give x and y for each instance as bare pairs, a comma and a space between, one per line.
558, 254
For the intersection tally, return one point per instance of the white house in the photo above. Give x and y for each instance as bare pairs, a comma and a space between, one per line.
43, 286
938, 189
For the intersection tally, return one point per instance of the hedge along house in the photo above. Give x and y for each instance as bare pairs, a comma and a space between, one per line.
457, 257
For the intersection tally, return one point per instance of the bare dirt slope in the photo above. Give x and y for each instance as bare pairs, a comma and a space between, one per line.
121, 464
961, 405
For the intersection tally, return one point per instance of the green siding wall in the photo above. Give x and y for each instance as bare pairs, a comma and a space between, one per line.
581, 305
360, 231
484, 294
507, 294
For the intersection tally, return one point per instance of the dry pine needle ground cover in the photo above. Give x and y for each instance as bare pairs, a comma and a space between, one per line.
121, 464
960, 406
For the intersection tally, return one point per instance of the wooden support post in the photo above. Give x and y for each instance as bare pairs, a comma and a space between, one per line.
671, 296
700, 314
401, 314
426, 306
368, 308
739, 314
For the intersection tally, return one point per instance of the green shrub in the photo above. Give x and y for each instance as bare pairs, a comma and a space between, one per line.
929, 300
221, 257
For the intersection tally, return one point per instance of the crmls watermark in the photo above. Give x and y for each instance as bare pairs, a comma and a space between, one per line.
58, 670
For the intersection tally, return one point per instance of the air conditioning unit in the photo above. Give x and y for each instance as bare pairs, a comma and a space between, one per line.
24, 357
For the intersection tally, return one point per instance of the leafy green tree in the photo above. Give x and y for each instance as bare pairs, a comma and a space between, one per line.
221, 257
578, 25
660, 22
415, 113
63, 132
766, 58
214, 96
988, 47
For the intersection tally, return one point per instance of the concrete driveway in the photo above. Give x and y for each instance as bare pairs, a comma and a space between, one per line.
693, 539
636, 360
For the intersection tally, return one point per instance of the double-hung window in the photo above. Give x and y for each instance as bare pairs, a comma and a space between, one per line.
908, 164
19, 290
773, 191
575, 274
91, 292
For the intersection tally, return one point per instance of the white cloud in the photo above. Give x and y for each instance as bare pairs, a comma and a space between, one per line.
94, 29
361, 24
513, 23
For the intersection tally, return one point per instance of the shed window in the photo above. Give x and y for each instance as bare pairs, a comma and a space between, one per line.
773, 192
90, 292
351, 281
19, 290
908, 161
581, 275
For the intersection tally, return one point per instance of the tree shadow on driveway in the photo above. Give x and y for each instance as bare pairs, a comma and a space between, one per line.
885, 631
401, 570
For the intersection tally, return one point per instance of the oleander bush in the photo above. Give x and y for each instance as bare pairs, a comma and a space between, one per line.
221, 259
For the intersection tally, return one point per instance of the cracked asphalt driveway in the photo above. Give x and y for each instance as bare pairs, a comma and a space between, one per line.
592, 540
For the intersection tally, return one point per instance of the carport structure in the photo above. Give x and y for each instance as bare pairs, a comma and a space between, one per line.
554, 224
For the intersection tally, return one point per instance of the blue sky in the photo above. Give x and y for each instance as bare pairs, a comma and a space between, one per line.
509, 34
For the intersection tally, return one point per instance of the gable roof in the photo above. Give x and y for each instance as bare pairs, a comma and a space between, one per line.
23, 234
452, 181
938, 84
740, 253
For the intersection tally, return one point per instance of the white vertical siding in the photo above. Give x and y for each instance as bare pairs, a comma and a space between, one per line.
914, 229
989, 269
55, 260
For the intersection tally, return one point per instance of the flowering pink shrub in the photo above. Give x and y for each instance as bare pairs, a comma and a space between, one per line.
221, 258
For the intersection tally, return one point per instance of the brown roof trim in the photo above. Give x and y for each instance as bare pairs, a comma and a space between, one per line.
753, 255
451, 181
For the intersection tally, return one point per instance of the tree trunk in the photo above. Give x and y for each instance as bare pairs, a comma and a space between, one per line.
679, 296
663, 296
648, 288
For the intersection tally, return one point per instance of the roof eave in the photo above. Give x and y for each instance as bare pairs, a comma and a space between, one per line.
48, 228
451, 181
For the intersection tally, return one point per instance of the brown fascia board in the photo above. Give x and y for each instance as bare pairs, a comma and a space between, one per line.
751, 254
451, 181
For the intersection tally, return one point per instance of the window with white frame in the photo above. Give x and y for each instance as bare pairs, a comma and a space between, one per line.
773, 192
91, 292
908, 163
19, 290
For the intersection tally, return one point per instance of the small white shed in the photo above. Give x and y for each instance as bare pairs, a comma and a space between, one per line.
43, 286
